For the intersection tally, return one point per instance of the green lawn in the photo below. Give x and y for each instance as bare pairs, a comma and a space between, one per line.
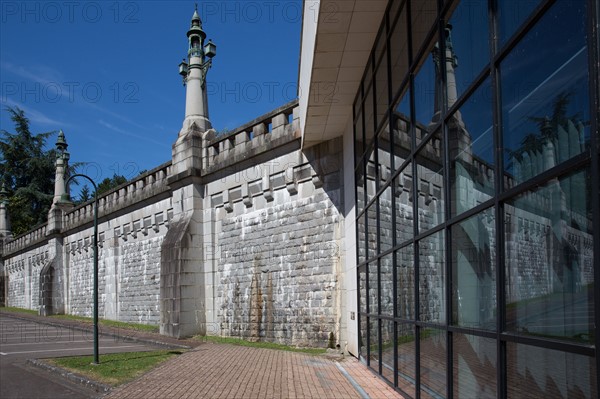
116, 368
17, 310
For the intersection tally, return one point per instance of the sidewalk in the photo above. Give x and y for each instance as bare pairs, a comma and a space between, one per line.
211, 370
229, 371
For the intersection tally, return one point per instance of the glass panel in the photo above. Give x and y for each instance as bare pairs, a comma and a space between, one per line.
471, 141
369, 115
361, 231
386, 232
373, 291
511, 14
363, 336
372, 231
374, 343
427, 97
399, 52
403, 194
359, 178
433, 363
423, 16
384, 154
467, 46
387, 350
535, 372
545, 105
386, 229
402, 131
362, 284
549, 260
382, 89
430, 183
406, 358
405, 282
474, 271
386, 277
474, 366
372, 173
359, 143
432, 278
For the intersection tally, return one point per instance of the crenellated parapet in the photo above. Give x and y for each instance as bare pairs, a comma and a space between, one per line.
274, 129
33, 237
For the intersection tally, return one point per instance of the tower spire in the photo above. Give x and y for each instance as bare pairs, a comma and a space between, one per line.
194, 76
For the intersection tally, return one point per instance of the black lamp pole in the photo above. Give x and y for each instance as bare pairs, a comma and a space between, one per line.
95, 244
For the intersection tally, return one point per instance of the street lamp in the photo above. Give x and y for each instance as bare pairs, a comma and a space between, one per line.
95, 245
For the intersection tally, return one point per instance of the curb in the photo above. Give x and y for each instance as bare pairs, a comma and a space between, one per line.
76, 378
124, 337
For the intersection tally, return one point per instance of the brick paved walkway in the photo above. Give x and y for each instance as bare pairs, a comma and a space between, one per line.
228, 371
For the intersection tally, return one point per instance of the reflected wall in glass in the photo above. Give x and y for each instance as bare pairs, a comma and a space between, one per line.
432, 278
433, 351
471, 150
405, 282
430, 183
550, 260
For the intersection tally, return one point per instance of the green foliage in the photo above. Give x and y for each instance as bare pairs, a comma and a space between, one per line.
27, 171
110, 183
13, 309
84, 195
116, 368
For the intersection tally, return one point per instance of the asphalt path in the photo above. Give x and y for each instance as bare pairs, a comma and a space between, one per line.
21, 340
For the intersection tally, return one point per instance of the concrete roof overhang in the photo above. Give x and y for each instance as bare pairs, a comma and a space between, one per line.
337, 37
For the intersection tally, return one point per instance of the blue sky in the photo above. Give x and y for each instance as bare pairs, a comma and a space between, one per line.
106, 72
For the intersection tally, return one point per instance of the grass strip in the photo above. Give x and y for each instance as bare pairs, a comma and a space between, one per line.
266, 345
13, 309
115, 368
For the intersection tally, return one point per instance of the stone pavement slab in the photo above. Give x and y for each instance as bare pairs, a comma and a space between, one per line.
229, 371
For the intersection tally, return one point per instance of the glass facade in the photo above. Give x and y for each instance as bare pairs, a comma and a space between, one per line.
477, 192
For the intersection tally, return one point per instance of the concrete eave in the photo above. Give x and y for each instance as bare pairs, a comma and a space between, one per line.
337, 37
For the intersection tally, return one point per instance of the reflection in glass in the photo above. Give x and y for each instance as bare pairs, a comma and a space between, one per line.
374, 343
362, 338
359, 143
361, 232
399, 52
433, 363
427, 103
467, 46
549, 260
545, 105
384, 154
382, 90
387, 349
371, 214
432, 278
405, 282
423, 15
474, 365
535, 372
371, 172
386, 228
403, 201
406, 358
402, 132
471, 146
359, 179
511, 14
430, 183
362, 286
369, 115
373, 291
474, 271
386, 278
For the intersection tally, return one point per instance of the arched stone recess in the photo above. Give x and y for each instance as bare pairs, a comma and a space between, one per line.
49, 285
182, 307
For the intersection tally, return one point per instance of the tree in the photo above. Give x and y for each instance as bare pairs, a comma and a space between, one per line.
84, 195
110, 182
27, 171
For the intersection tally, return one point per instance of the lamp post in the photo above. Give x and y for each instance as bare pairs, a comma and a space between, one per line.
95, 245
